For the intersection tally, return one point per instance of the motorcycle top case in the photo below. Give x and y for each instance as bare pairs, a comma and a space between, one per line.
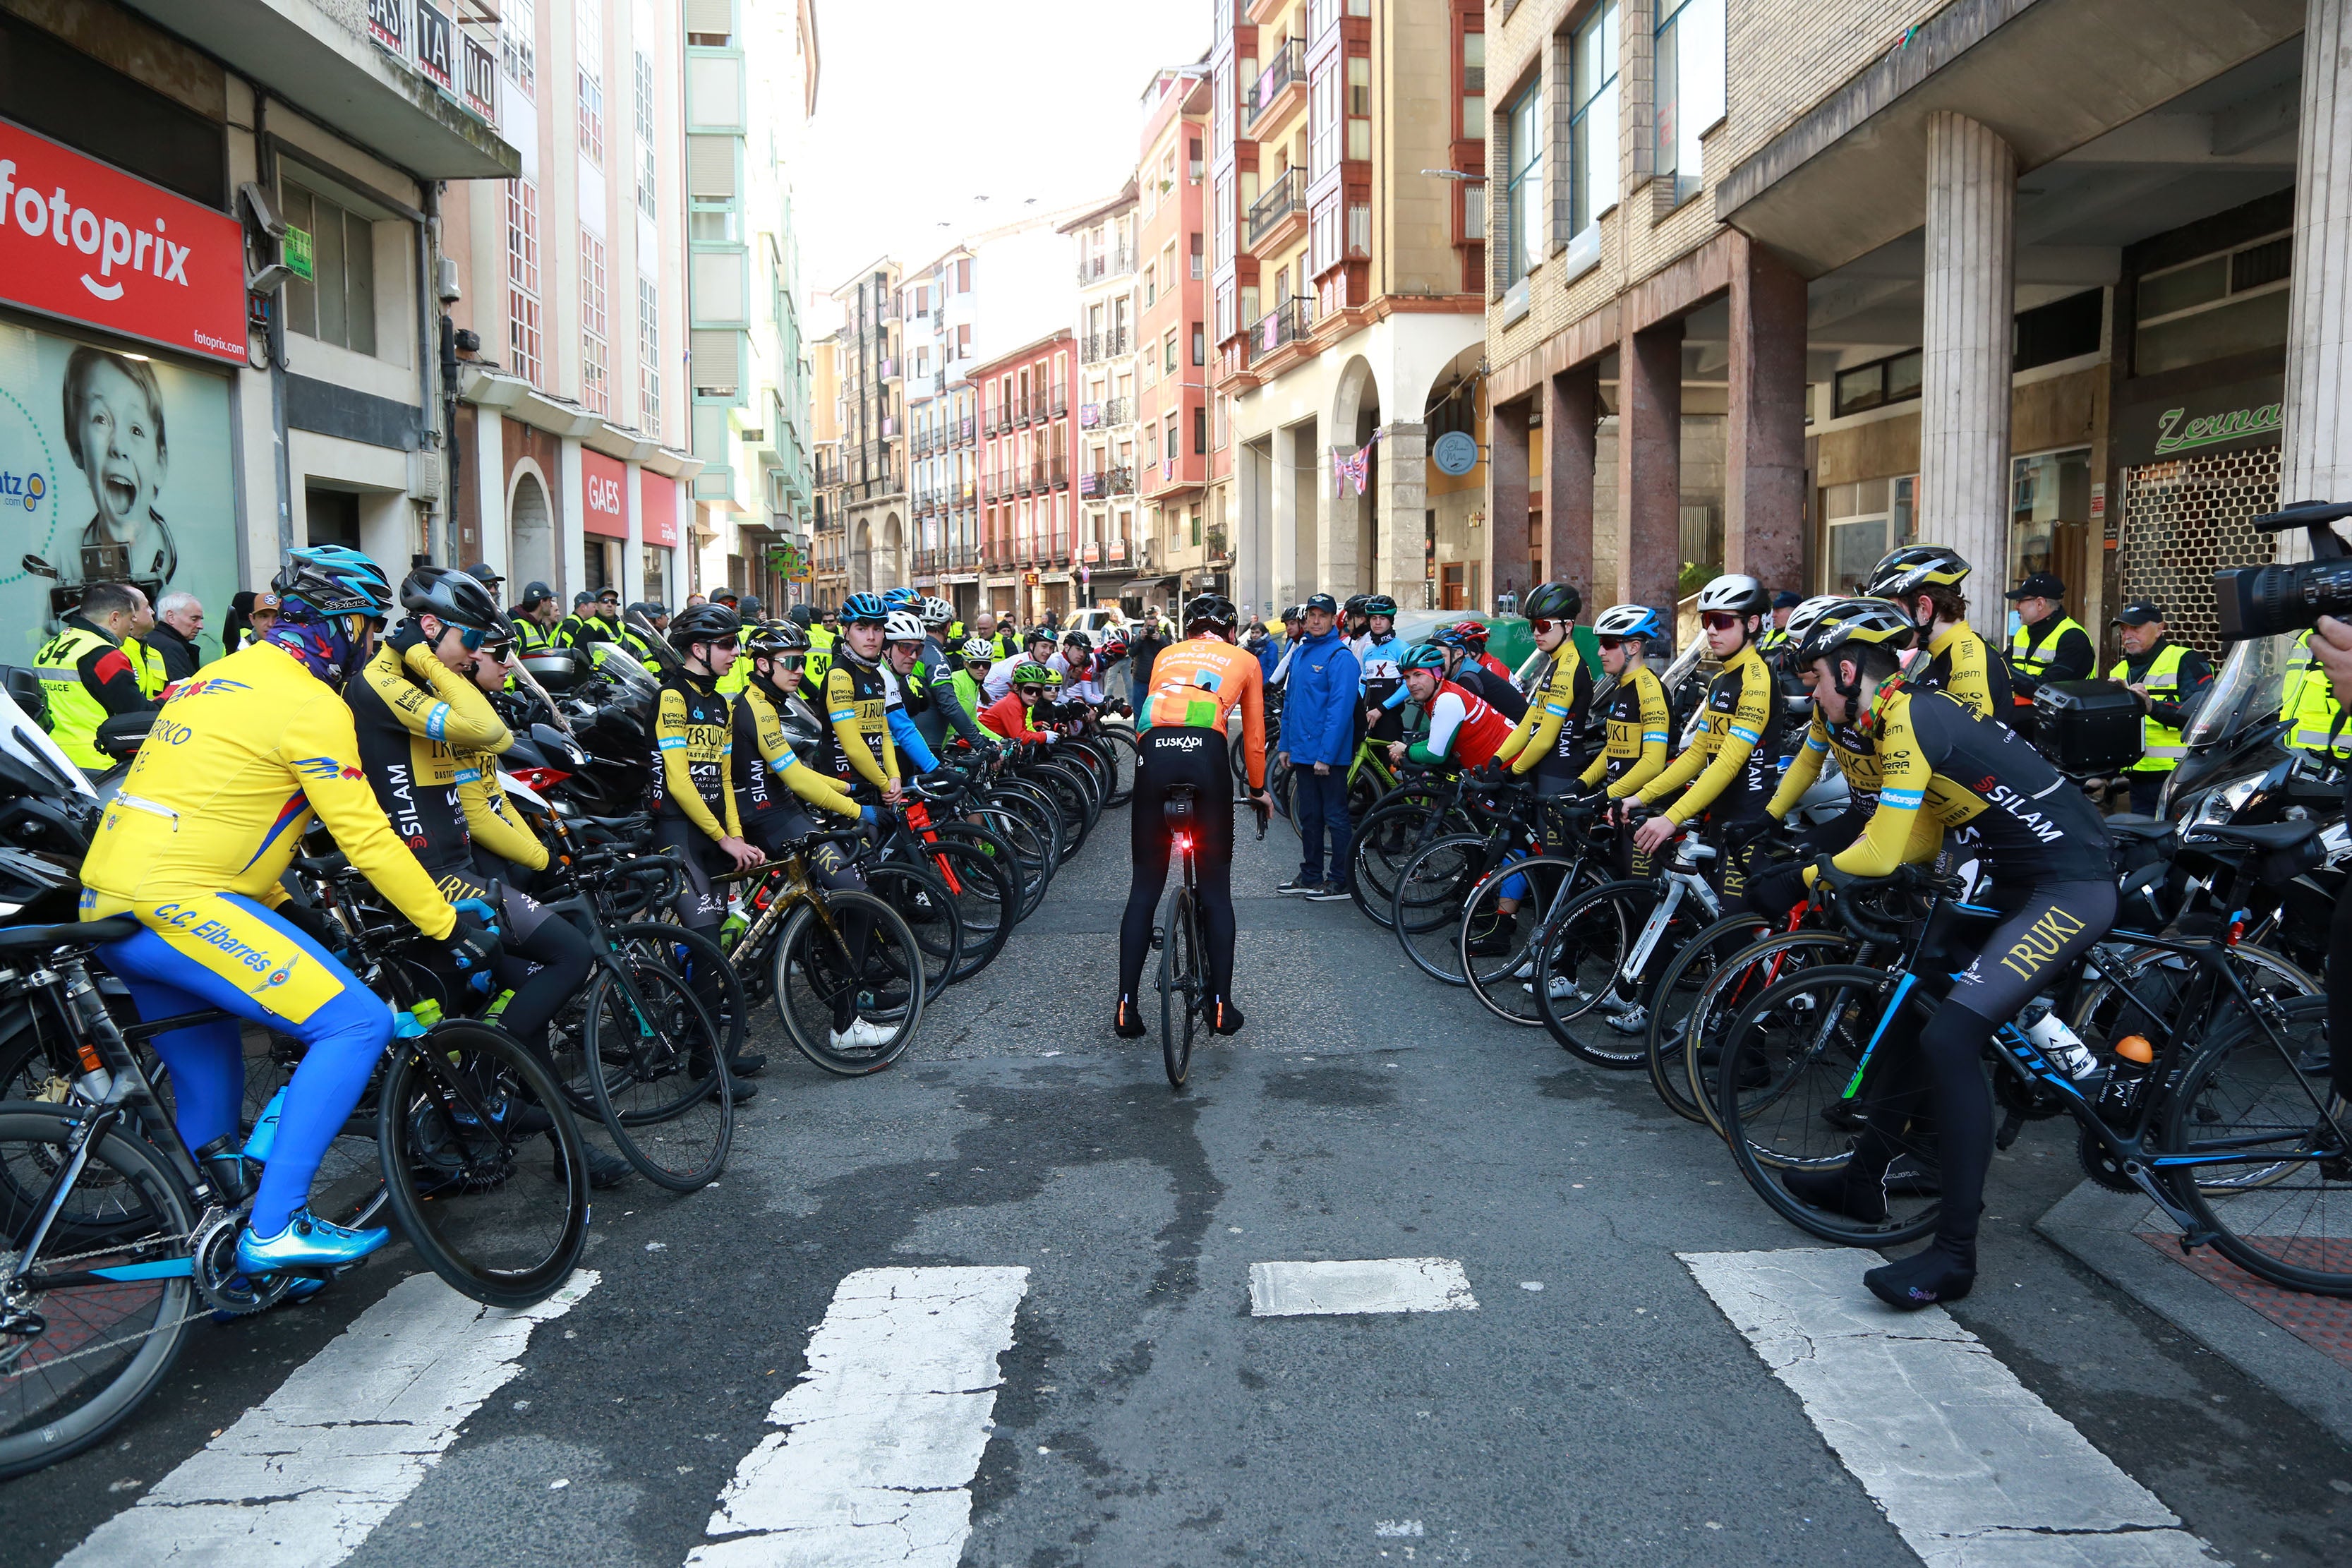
2088, 726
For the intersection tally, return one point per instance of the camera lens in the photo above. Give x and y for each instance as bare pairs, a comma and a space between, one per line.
2264, 601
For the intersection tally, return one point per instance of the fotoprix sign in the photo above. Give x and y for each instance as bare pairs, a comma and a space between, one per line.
87, 242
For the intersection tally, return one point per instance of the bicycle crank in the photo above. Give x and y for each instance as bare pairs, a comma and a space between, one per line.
220, 1278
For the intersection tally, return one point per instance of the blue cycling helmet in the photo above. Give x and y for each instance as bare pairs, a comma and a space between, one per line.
864, 608
900, 598
1422, 656
333, 580
1449, 637
1629, 621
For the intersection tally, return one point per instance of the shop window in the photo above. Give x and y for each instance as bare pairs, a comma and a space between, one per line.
1865, 520
1592, 117
1894, 379
2231, 303
2050, 518
2063, 329
338, 305
1689, 62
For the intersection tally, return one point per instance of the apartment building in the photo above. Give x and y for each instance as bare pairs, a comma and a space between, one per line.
311, 406
938, 311
1171, 376
828, 544
1345, 274
752, 75
1778, 289
871, 495
1027, 448
1112, 548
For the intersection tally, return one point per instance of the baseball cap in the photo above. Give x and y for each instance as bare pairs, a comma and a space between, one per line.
2139, 613
723, 597
582, 597
264, 602
483, 571
1323, 602
535, 594
1785, 600
2039, 585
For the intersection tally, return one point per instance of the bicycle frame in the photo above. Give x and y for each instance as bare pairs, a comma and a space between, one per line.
1680, 877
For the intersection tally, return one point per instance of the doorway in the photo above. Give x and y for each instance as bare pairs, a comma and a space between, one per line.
331, 516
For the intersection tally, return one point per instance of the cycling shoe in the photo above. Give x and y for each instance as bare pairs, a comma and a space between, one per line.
606, 1171
1127, 1021
1841, 1191
1225, 1018
307, 1242
1943, 1271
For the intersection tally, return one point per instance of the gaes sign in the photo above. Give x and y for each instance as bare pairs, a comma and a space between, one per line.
87, 242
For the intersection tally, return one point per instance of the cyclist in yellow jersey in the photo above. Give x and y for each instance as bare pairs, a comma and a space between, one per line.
239, 760
1545, 741
857, 705
1637, 727
1925, 581
1729, 770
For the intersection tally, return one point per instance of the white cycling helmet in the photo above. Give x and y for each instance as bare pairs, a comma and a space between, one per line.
1736, 594
902, 627
1629, 621
1801, 619
980, 649
934, 611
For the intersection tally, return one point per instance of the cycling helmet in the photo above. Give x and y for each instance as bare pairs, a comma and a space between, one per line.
934, 611
1355, 605
1294, 613
1422, 656
1915, 568
704, 623
1113, 648
331, 580
1847, 622
901, 598
458, 598
1380, 605
801, 616
1553, 600
1801, 619
864, 609
1212, 612
1037, 635
1028, 673
1472, 634
979, 650
1076, 637
769, 639
1450, 636
903, 625
1736, 594
1629, 621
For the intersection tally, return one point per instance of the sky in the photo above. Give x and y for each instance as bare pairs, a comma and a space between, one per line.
924, 107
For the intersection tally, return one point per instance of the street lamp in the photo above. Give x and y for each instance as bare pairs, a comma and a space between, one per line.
1455, 175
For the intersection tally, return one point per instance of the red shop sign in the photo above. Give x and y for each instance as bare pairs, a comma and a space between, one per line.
89, 243
604, 483
658, 498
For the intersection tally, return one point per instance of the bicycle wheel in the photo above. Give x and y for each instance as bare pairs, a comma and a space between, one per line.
2250, 1152
980, 888
1037, 807
1385, 843
1119, 749
664, 1093
819, 977
1735, 983
1790, 1088
78, 1358
922, 901
1025, 882
1181, 982
1426, 909
459, 1119
1495, 948
2164, 983
1679, 987
699, 959
1579, 966
1032, 852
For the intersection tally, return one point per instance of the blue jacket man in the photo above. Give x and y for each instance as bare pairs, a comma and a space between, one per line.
1318, 704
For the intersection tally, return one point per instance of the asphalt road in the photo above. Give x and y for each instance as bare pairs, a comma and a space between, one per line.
1144, 1415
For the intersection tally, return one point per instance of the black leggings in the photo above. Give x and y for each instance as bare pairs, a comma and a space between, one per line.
546, 959
1168, 756
2339, 992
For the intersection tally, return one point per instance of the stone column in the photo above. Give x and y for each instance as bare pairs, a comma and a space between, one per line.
1572, 411
570, 504
633, 548
1764, 469
1649, 466
1404, 515
2316, 459
1965, 362
1508, 570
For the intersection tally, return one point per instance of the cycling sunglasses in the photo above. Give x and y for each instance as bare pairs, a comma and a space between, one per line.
730, 643
500, 652
1541, 625
1032, 691
1718, 620
1610, 642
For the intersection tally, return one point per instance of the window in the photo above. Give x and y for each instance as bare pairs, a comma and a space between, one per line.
2234, 302
2063, 329
1200, 343
1168, 443
643, 72
1473, 85
1199, 430
1150, 286
1864, 520
1892, 380
1199, 270
338, 305
1688, 62
1326, 117
1193, 168
1170, 351
2049, 515
1593, 119
519, 44
1360, 107
522, 279
593, 392
589, 37
1523, 185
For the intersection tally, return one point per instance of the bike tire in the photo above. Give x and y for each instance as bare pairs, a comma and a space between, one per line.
1733, 984
980, 888
1426, 906
1118, 745
41, 1438
1180, 988
922, 901
889, 983
461, 1196
1384, 844
662, 1090
1493, 977
1586, 944
1667, 1020
1026, 883
687, 951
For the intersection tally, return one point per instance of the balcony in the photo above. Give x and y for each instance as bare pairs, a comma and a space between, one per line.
1101, 346
1276, 204
1107, 482
1057, 473
970, 431
1058, 403
890, 368
1118, 411
1291, 321
1217, 543
1105, 265
1287, 69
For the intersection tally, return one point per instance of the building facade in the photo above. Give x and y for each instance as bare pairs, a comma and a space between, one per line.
1171, 376
943, 426
1112, 546
1026, 451
872, 492
828, 544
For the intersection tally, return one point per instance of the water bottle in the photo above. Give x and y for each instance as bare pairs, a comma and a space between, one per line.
2119, 1096
2051, 1036
264, 1129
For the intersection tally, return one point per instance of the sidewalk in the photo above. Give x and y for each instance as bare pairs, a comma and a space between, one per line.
2299, 1346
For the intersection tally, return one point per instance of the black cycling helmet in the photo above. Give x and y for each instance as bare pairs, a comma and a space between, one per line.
769, 639
1553, 600
704, 623
1355, 605
1904, 573
458, 598
1856, 622
1212, 612
1294, 613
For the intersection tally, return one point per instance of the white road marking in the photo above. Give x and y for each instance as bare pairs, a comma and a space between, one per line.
1971, 1466
1359, 1285
883, 1433
302, 1478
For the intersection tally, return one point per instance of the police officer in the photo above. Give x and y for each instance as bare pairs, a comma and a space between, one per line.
2172, 681
2316, 726
1776, 636
146, 660
86, 677
534, 617
2048, 645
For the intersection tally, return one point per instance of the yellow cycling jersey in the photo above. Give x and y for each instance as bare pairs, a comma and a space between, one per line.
1638, 728
1742, 710
1959, 662
692, 745
855, 701
491, 818
777, 761
414, 714
1549, 730
239, 760
1857, 760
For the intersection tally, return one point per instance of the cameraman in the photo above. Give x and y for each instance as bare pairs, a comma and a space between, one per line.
2331, 645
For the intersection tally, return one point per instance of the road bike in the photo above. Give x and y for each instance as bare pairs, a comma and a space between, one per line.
1182, 937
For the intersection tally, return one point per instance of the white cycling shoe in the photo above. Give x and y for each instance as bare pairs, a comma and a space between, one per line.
863, 1035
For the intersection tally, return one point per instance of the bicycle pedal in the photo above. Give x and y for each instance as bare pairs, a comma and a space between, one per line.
2190, 1240
1159, 935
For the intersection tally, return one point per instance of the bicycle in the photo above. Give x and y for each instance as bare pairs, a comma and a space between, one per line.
1599, 948
1181, 938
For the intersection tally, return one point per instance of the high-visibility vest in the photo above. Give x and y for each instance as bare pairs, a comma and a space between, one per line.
75, 711
530, 636
2308, 701
2160, 747
146, 667
2026, 651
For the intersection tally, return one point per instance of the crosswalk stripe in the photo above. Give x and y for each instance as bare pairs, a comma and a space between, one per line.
1971, 1466
303, 1477
883, 1433
1359, 1285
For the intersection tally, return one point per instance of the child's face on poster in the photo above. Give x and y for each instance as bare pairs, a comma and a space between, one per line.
122, 454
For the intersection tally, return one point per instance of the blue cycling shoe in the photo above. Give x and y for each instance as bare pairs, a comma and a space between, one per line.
307, 1242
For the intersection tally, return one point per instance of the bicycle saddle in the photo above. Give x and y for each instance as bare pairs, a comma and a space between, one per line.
2147, 828
2264, 835
73, 933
